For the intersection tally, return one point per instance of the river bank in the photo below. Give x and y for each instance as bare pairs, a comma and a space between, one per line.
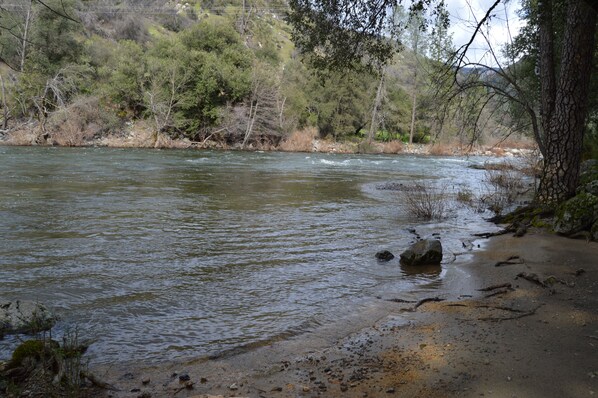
524, 339
141, 136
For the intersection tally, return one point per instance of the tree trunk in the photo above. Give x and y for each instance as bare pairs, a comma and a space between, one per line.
565, 127
5, 110
25, 34
413, 108
547, 69
377, 102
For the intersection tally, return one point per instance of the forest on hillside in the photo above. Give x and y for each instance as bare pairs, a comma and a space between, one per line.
223, 73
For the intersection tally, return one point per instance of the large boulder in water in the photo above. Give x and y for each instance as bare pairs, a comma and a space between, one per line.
23, 316
424, 252
577, 214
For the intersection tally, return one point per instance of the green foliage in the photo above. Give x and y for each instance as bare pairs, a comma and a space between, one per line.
28, 349
54, 41
127, 75
189, 75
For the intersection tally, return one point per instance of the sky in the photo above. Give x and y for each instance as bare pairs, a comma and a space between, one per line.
465, 13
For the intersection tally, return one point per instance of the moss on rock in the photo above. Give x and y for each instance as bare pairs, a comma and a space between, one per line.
594, 231
576, 214
588, 172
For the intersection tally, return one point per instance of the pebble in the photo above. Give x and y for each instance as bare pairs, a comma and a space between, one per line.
145, 380
184, 377
233, 387
391, 390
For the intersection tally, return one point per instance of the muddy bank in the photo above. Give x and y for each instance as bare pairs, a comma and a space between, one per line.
526, 336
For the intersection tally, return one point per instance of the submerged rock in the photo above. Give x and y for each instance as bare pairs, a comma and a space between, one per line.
577, 214
385, 255
23, 316
424, 252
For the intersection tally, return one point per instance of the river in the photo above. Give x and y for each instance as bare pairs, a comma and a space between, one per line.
164, 254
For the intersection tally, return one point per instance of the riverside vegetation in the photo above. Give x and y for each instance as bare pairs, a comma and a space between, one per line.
218, 74
226, 74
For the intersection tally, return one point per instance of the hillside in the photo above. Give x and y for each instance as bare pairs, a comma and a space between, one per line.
199, 73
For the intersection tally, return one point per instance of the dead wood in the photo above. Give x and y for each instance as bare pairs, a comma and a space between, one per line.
97, 382
426, 300
510, 261
519, 314
421, 302
398, 300
494, 287
491, 234
532, 278
499, 292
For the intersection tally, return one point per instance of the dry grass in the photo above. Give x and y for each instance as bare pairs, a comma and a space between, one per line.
503, 186
518, 142
20, 137
299, 141
391, 147
497, 151
81, 122
426, 202
442, 149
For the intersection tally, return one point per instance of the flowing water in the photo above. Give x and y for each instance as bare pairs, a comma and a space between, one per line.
170, 254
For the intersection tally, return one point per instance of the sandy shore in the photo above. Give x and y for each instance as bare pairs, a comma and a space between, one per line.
527, 340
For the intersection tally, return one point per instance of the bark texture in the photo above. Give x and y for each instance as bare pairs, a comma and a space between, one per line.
565, 122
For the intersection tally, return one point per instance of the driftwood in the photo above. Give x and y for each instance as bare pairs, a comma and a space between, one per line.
97, 382
510, 261
426, 300
548, 282
423, 301
532, 278
499, 292
494, 287
491, 234
398, 300
417, 303
519, 314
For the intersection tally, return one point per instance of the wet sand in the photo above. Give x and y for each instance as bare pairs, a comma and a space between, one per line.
525, 339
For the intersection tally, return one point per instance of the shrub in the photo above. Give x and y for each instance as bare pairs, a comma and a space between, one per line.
392, 147
299, 141
45, 367
82, 121
503, 185
426, 202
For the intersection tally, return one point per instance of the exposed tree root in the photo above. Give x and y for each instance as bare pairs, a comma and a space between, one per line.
491, 234
423, 301
494, 287
519, 314
499, 292
97, 382
532, 278
546, 283
398, 300
510, 261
